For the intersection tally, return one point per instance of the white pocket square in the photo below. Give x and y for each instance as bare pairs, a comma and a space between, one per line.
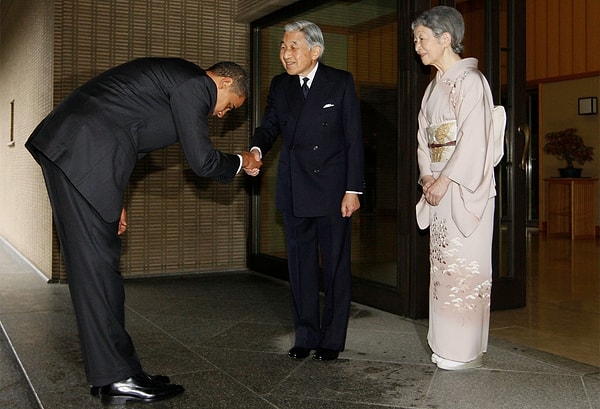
328, 106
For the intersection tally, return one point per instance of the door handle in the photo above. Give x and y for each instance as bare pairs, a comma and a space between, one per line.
524, 129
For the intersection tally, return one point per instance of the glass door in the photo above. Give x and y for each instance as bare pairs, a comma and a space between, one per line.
508, 19
360, 37
501, 53
372, 39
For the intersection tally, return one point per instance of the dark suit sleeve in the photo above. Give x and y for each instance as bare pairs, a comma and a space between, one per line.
353, 138
191, 104
268, 131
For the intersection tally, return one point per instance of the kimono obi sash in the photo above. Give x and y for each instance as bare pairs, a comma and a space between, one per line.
441, 140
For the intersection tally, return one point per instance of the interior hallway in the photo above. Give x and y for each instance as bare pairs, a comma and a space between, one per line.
225, 337
562, 315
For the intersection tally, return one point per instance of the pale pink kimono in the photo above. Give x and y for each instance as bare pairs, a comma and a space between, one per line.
461, 226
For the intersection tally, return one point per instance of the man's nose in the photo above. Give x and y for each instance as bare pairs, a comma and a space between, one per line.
221, 114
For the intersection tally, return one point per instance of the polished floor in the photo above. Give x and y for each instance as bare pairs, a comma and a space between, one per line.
224, 337
562, 315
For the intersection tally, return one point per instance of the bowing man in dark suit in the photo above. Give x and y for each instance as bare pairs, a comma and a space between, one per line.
319, 178
87, 148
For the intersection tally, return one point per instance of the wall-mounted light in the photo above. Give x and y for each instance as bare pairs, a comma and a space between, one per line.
588, 106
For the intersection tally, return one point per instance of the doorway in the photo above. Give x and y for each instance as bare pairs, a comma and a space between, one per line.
360, 37
372, 39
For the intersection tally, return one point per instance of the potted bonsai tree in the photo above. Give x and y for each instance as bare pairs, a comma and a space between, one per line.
568, 145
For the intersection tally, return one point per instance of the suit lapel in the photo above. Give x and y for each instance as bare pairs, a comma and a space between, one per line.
306, 109
294, 95
320, 86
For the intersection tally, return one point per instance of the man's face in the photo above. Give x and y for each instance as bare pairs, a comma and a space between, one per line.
226, 101
295, 56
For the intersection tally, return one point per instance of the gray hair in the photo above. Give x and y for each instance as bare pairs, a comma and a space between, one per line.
312, 33
443, 19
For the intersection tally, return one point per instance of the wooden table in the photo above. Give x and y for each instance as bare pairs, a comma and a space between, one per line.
571, 207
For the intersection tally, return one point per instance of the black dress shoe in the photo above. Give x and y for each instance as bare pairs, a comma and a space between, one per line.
138, 388
323, 354
95, 390
298, 353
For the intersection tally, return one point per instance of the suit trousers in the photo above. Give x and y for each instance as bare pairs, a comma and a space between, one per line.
306, 237
91, 249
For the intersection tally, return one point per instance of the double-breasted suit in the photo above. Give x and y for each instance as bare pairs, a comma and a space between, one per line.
87, 148
321, 159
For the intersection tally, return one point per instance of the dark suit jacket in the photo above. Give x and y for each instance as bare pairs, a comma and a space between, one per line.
99, 131
322, 147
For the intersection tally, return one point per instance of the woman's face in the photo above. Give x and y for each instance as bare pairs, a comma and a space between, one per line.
428, 46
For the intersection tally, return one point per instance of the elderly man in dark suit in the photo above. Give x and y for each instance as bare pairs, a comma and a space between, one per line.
87, 148
319, 178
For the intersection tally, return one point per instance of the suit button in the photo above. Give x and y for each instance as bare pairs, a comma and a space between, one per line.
315, 147
292, 147
324, 123
316, 171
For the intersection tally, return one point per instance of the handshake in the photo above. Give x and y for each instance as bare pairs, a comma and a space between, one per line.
251, 162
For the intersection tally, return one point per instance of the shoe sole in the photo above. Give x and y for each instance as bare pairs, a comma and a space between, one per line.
458, 366
95, 390
298, 357
123, 399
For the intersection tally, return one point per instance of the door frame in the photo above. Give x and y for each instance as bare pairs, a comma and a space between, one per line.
509, 252
411, 297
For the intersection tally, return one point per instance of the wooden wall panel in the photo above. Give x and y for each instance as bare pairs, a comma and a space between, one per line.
552, 38
369, 56
376, 50
530, 38
579, 35
391, 59
592, 48
474, 41
178, 223
563, 38
538, 49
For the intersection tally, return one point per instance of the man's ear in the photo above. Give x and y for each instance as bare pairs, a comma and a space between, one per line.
225, 82
315, 52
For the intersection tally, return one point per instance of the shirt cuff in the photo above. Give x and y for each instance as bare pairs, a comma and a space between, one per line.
256, 148
241, 163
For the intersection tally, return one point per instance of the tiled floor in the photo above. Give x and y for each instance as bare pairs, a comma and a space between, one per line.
224, 337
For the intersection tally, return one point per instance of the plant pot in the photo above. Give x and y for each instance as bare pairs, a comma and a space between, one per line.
569, 172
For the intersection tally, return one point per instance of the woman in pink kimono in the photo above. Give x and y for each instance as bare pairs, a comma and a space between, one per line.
455, 154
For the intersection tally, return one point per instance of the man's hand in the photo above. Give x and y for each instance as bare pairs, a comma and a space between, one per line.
251, 162
350, 204
122, 222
